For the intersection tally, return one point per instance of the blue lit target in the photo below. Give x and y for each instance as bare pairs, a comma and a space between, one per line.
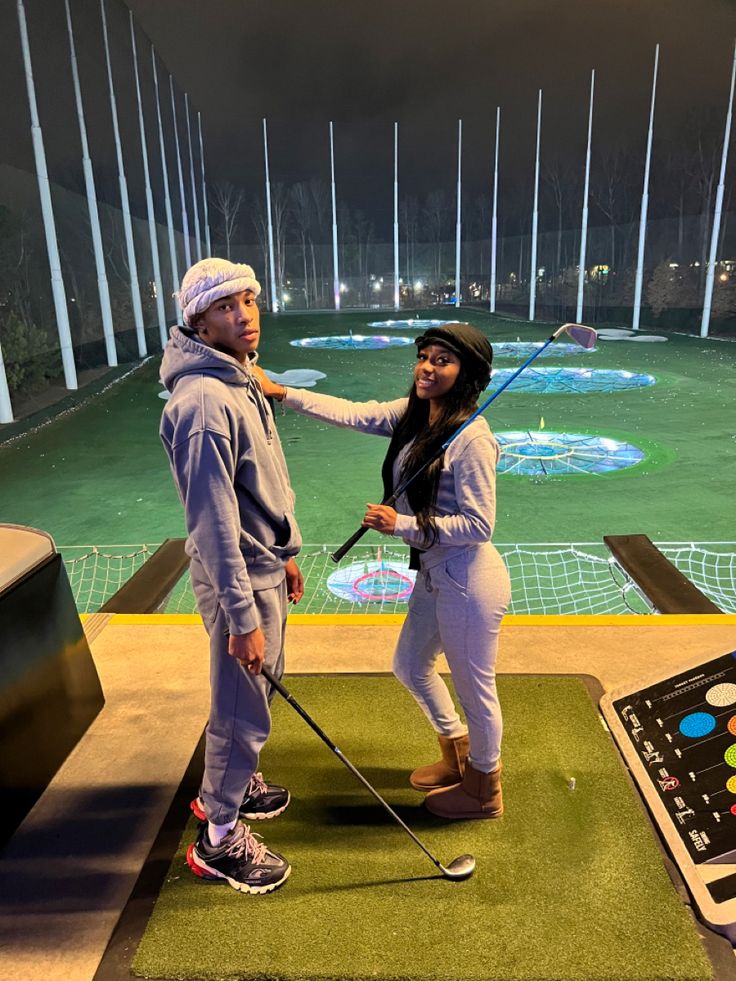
576, 381
408, 324
351, 342
373, 582
697, 724
544, 453
524, 349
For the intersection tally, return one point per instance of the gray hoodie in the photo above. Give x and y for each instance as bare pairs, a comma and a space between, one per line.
466, 495
229, 469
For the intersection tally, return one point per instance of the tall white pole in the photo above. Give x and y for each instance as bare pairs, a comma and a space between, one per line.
165, 171
335, 266
205, 210
271, 262
711, 271
644, 203
6, 408
494, 219
397, 294
458, 225
152, 236
103, 287
197, 233
135, 292
49, 225
184, 215
584, 221
535, 219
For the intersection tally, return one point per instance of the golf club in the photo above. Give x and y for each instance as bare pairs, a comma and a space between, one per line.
459, 868
582, 335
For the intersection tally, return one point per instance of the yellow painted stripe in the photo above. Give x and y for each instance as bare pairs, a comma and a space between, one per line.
390, 619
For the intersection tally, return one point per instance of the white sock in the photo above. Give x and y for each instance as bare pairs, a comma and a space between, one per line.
216, 832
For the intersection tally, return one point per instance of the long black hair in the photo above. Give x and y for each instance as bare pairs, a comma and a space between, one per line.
414, 427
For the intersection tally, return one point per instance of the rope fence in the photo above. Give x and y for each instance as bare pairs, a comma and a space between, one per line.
546, 577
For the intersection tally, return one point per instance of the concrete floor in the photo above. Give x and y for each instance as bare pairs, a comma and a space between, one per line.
70, 868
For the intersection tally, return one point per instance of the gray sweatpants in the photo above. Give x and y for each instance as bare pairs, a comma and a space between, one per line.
240, 718
457, 607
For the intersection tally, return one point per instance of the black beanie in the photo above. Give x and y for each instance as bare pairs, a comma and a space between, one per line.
462, 339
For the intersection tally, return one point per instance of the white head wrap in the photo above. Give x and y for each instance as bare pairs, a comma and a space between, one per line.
210, 279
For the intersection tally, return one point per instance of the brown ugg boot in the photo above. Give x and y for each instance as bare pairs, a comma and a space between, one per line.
445, 772
478, 796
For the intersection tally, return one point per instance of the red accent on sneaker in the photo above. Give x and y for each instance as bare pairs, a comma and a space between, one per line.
194, 867
196, 809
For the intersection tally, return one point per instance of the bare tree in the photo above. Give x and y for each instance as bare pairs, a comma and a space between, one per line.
346, 240
363, 233
409, 214
321, 198
435, 214
704, 176
260, 223
608, 190
302, 210
279, 219
663, 290
227, 201
279, 223
563, 183
479, 225
724, 299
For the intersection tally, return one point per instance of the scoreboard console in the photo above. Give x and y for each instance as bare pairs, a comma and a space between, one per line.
678, 737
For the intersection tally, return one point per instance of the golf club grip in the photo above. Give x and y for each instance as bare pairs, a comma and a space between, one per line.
346, 546
343, 550
274, 681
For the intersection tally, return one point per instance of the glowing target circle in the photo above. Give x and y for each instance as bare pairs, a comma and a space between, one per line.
721, 695
731, 785
373, 582
408, 324
524, 349
546, 453
576, 381
697, 724
730, 755
351, 342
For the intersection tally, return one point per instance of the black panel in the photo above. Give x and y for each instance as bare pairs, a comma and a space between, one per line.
683, 730
49, 688
658, 578
723, 889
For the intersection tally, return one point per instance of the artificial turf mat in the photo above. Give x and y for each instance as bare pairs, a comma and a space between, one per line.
570, 884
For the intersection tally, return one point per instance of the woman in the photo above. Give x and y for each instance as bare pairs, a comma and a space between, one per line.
462, 589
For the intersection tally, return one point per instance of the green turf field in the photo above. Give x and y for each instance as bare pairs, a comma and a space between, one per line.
569, 884
98, 475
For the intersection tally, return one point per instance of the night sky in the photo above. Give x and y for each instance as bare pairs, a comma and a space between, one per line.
427, 63
423, 63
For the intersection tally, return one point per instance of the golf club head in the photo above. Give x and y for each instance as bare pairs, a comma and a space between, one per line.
582, 335
459, 868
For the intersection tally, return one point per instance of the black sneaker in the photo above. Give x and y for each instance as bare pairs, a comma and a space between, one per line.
261, 801
241, 859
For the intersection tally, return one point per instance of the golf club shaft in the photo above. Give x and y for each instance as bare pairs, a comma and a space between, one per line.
342, 551
326, 739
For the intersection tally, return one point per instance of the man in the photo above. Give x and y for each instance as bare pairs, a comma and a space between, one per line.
231, 475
